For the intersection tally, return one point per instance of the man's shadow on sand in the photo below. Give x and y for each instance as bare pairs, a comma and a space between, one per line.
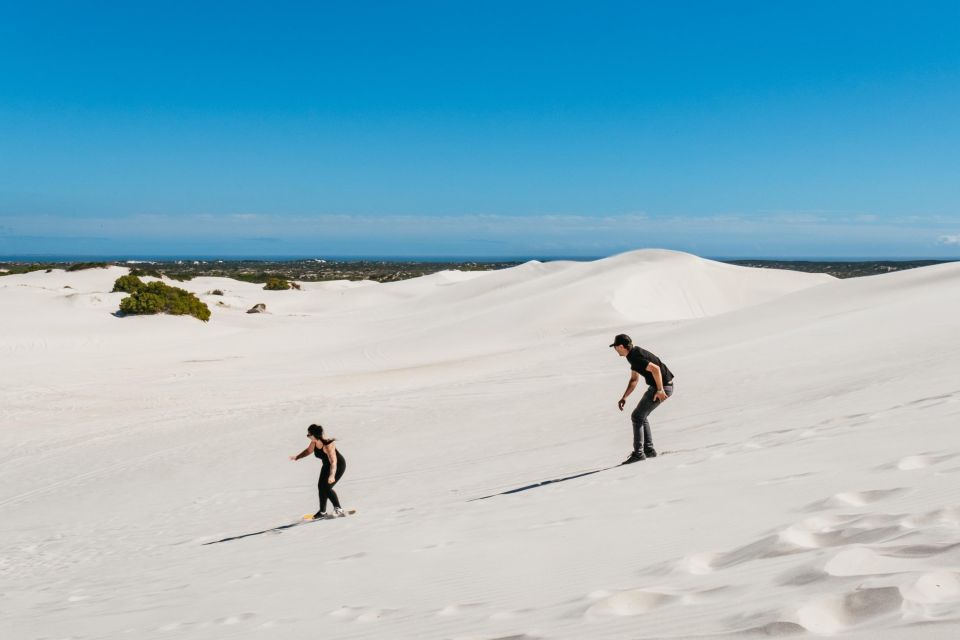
544, 483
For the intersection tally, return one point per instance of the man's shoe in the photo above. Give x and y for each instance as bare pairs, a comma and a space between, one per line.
650, 452
636, 456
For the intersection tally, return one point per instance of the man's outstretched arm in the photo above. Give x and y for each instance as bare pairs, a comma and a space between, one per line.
634, 377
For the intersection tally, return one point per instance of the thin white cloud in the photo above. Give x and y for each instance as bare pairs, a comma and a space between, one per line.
768, 233
465, 225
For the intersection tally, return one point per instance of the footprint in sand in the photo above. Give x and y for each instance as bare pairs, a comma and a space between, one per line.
361, 614
630, 603
934, 587
802, 576
842, 612
912, 463
789, 478
510, 614
824, 531
639, 601
270, 624
948, 517
863, 561
237, 619
434, 547
765, 623
694, 462
656, 505
863, 498
853, 499
700, 564
775, 628
555, 523
457, 609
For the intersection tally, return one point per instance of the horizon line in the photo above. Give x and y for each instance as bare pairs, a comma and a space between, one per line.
68, 258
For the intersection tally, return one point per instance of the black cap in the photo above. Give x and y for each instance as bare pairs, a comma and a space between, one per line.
622, 340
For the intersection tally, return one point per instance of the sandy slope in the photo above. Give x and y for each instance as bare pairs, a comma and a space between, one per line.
811, 486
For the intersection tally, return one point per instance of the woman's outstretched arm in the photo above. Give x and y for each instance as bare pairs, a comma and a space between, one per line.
304, 453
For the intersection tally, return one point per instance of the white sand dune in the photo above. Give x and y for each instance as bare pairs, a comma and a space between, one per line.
810, 486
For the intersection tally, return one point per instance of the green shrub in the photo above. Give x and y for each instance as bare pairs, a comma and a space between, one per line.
157, 297
276, 284
215, 292
157, 273
17, 269
127, 284
136, 271
80, 266
143, 302
246, 276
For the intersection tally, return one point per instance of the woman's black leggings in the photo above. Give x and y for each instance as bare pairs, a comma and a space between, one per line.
325, 489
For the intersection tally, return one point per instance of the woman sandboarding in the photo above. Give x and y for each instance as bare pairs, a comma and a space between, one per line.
334, 465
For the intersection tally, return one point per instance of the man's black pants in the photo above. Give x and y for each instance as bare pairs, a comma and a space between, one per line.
641, 425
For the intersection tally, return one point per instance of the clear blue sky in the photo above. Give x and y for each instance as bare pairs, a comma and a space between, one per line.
728, 129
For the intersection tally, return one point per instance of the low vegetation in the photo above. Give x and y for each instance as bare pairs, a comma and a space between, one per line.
276, 284
260, 271
157, 297
127, 284
157, 273
13, 268
80, 266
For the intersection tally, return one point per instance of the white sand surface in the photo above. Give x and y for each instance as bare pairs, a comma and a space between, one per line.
808, 484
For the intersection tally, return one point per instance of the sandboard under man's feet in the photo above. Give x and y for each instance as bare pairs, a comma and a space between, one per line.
309, 517
639, 457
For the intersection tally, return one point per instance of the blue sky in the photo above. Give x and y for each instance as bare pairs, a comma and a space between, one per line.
727, 129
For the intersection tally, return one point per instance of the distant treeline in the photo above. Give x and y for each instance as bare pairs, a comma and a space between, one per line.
263, 271
10, 268
839, 269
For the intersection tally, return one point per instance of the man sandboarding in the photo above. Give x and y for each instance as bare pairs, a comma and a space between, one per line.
659, 387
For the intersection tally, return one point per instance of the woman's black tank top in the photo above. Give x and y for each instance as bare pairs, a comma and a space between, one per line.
341, 461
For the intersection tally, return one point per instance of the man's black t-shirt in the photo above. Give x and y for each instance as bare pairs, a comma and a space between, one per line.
640, 358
